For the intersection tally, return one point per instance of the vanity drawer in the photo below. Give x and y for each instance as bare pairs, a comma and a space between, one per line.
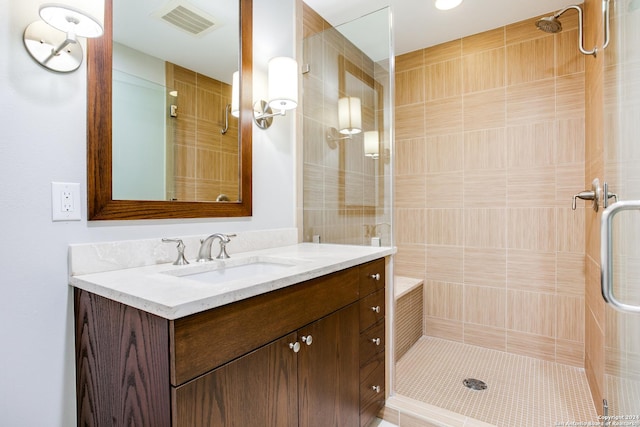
371, 277
371, 309
372, 394
372, 342
204, 341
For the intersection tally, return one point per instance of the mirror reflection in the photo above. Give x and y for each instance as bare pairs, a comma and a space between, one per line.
358, 157
174, 137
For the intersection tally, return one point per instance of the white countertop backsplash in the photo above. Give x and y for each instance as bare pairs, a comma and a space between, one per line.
141, 274
86, 258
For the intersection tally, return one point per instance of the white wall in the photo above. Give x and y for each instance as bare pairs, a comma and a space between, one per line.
43, 122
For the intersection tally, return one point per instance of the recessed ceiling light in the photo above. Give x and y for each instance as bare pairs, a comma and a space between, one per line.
447, 4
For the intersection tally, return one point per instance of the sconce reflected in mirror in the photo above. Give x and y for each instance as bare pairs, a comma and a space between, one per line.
53, 41
349, 119
372, 144
283, 91
350, 115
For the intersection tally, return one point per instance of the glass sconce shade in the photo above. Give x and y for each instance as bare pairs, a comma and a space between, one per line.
349, 115
371, 144
235, 94
283, 83
84, 18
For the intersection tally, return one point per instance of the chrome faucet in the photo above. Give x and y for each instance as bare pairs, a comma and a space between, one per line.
204, 254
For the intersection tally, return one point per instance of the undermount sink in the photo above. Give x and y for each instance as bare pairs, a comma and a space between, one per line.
225, 271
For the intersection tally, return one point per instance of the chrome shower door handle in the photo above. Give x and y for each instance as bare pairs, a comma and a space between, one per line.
606, 254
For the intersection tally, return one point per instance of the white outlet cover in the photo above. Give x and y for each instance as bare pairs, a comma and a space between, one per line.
66, 208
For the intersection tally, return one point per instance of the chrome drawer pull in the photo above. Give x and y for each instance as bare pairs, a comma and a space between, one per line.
376, 309
295, 346
376, 341
376, 388
308, 339
375, 276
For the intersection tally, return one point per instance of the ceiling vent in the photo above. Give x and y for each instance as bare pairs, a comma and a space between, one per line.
188, 18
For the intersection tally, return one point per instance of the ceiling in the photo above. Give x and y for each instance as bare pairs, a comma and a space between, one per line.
418, 24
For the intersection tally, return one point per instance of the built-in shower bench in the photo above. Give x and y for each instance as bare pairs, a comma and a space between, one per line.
409, 296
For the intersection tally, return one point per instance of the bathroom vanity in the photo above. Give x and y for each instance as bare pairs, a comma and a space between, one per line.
299, 347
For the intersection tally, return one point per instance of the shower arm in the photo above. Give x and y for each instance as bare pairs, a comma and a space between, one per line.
607, 31
605, 24
594, 51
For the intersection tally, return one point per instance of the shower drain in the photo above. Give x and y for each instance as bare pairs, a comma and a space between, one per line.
474, 384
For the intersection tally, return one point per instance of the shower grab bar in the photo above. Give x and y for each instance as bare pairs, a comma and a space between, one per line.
606, 254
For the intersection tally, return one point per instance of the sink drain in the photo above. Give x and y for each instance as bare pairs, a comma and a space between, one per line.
474, 384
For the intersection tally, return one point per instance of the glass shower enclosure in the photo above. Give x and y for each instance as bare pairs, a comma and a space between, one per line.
347, 130
620, 225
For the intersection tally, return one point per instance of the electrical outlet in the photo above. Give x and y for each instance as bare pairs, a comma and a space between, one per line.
65, 201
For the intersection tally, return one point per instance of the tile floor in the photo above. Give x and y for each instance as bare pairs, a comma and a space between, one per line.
522, 391
623, 395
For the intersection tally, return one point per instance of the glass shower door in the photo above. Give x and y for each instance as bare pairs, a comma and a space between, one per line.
622, 245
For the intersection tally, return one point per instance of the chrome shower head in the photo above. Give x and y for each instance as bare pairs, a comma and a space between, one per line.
549, 24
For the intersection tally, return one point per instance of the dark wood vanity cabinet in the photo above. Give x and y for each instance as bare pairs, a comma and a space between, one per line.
311, 354
372, 340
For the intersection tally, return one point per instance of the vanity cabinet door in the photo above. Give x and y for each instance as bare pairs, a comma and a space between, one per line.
258, 389
328, 372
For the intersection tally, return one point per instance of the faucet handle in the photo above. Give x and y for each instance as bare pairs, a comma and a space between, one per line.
181, 260
223, 246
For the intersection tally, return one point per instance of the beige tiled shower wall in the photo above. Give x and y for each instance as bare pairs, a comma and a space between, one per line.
205, 161
489, 152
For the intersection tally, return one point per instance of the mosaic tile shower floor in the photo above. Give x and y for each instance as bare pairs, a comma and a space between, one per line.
522, 391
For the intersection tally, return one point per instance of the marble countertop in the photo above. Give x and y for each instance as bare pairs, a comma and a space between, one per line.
167, 291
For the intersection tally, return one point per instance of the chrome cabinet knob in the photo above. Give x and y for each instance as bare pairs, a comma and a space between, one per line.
308, 339
295, 346
376, 309
376, 388
375, 276
376, 341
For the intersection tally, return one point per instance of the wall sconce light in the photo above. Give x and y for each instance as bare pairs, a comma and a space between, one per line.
53, 42
372, 144
283, 92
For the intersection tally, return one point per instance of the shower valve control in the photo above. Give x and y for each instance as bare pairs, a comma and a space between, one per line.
593, 195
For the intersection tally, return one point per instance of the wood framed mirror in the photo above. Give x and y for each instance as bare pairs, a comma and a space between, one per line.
100, 200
